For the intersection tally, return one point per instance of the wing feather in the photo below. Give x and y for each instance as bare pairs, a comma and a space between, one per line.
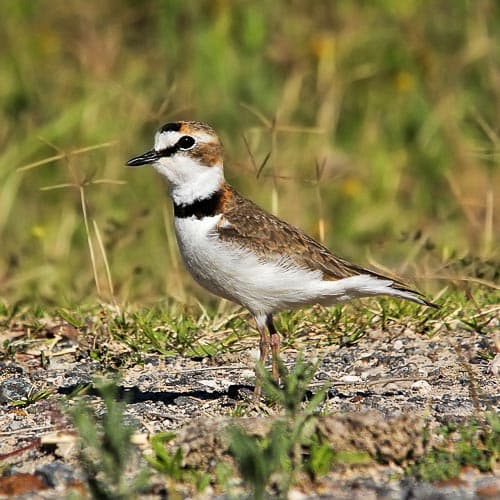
247, 225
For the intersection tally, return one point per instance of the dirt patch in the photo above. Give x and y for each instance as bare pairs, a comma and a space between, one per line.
384, 390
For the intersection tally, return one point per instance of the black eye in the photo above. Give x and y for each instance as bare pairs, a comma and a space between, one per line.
185, 142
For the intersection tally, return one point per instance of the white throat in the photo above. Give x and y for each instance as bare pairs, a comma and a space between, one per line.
190, 181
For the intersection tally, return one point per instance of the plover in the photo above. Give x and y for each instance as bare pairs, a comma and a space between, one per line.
242, 253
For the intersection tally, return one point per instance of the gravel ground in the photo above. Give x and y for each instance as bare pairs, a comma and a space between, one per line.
391, 381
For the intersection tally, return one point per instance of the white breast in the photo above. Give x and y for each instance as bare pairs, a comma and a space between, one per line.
239, 275
264, 286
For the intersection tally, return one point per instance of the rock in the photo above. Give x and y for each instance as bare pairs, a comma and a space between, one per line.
421, 385
81, 374
295, 494
398, 345
351, 379
12, 389
454, 490
210, 383
488, 488
58, 474
183, 401
392, 440
494, 367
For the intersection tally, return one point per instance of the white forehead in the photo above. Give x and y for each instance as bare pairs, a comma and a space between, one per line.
169, 138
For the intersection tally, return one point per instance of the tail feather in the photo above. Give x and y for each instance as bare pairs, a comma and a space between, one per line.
366, 285
400, 290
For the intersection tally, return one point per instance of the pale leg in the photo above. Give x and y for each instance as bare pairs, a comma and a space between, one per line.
264, 344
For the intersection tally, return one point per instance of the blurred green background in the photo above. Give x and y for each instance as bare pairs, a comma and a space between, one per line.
373, 125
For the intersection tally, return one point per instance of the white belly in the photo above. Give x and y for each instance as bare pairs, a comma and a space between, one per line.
239, 275
264, 286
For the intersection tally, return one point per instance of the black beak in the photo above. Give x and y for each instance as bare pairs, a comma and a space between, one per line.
144, 159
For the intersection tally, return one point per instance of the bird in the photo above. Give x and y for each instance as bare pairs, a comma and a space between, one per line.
240, 252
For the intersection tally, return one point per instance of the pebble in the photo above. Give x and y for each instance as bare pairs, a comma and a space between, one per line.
12, 389
295, 494
494, 367
398, 345
254, 354
183, 400
166, 402
247, 374
79, 375
57, 474
421, 385
211, 383
351, 379
15, 425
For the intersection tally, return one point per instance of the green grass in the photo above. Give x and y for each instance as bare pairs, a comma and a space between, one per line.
170, 465
371, 125
105, 448
279, 452
289, 452
377, 118
292, 451
193, 332
474, 444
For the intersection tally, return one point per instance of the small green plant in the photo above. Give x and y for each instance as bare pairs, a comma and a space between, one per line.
32, 397
106, 449
277, 457
164, 461
469, 445
170, 464
321, 457
260, 458
7, 313
72, 317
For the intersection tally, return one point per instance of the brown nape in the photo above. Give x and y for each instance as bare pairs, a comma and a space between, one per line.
210, 154
191, 127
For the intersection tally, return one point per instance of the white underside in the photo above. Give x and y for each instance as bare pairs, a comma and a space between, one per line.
264, 287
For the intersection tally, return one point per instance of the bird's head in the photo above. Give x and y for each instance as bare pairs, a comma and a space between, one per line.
188, 154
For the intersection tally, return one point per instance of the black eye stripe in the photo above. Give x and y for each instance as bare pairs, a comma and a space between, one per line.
168, 151
185, 142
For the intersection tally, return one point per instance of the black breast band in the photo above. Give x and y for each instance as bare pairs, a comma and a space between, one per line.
206, 207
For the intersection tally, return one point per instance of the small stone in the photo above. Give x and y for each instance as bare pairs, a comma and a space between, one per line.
421, 385
210, 383
80, 374
170, 359
248, 374
183, 400
494, 367
254, 354
398, 345
476, 360
146, 379
488, 488
15, 425
239, 393
152, 360
12, 389
351, 379
57, 473
295, 494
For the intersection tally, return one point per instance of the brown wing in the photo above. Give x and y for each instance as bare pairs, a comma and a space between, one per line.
268, 236
248, 225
